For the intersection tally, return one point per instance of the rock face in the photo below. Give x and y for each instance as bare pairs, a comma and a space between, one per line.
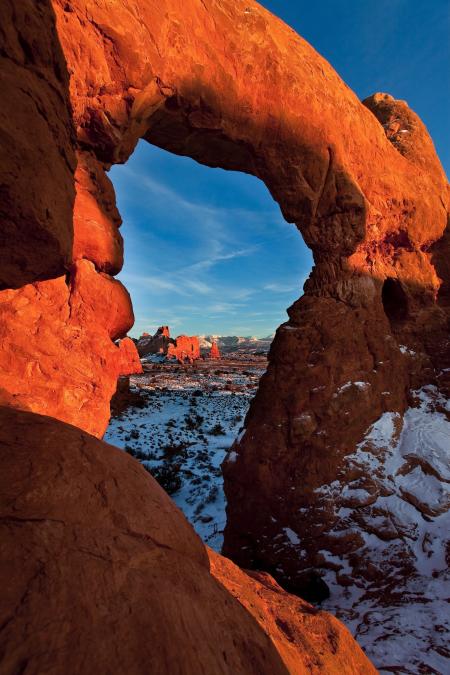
37, 136
92, 544
154, 344
130, 363
214, 352
308, 640
57, 349
96, 219
183, 348
361, 182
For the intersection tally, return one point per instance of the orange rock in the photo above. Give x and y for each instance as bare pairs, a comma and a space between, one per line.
154, 344
184, 348
130, 363
97, 298
96, 219
56, 352
214, 352
307, 639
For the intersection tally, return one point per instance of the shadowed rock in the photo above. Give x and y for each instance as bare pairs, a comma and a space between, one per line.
104, 572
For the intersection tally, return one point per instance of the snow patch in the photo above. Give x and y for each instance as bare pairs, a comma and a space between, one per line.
402, 516
291, 535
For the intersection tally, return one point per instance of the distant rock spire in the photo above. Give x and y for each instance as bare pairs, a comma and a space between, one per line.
214, 352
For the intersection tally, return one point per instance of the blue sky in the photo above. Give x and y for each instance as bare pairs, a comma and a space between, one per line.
206, 250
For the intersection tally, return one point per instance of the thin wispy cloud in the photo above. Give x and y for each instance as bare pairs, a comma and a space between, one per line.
280, 288
201, 211
207, 263
199, 286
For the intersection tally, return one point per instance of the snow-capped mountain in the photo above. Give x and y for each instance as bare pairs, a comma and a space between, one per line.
233, 343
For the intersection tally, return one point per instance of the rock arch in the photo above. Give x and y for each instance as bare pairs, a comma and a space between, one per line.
230, 85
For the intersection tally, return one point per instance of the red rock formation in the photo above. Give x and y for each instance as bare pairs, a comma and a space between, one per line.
184, 348
346, 332
352, 192
96, 555
214, 352
130, 363
200, 79
96, 219
154, 344
57, 349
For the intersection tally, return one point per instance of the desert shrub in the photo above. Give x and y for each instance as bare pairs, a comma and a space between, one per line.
217, 430
141, 455
174, 450
212, 495
168, 476
193, 422
137, 454
198, 509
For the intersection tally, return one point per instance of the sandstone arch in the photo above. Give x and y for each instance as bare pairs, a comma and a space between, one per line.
143, 71
370, 201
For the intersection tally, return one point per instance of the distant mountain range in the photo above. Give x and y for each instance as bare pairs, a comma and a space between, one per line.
234, 343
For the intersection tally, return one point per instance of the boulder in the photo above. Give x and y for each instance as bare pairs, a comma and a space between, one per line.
100, 568
307, 639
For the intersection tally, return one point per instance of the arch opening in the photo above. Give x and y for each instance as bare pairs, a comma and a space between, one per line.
207, 250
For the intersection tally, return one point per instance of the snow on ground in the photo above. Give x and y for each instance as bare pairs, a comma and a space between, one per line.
402, 516
189, 422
